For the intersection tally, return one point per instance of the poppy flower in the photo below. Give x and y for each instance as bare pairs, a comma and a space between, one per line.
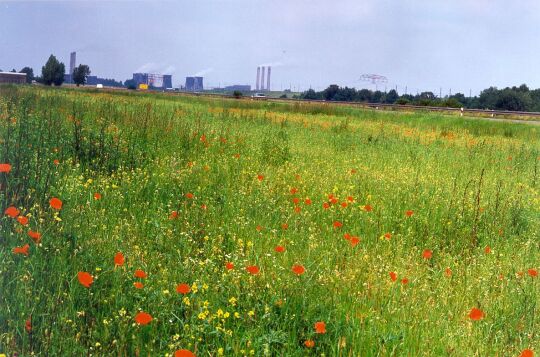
236, 156
368, 208
85, 278
28, 325
36, 236
350, 198
184, 353
326, 205
405, 281
173, 215
97, 196
229, 266
344, 204
353, 171
189, 195
393, 276
183, 288
387, 236
309, 343
333, 201
56, 162
294, 190
487, 249
259, 228
320, 327
284, 226
527, 353
476, 314
347, 236
338, 224
119, 259
21, 250
203, 138
427, 254
12, 212
297, 209
142, 318
409, 213
448, 272
532, 272
298, 269
55, 203
307, 201
296, 200
140, 274
260, 177
354, 241
253, 269
5, 168
22, 220
279, 249
138, 285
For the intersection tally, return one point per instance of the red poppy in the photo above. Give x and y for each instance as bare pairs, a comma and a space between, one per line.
36, 236
338, 224
259, 228
12, 212
353, 171
297, 209
56, 162
294, 190
138, 285
320, 327
183, 288
189, 195
409, 213
527, 353
448, 272
119, 259
23, 220
347, 236
405, 281
487, 249
203, 138
393, 275
260, 177
55, 203
253, 269
344, 204
387, 236
298, 269
203, 206
368, 208
532, 272
309, 343
284, 226
173, 215
307, 201
97, 196
21, 250
140, 274
85, 278
142, 318
427, 254
279, 249
476, 314
296, 200
28, 325
184, 353
236, 156
333, 201
326, 205
229, 266
355, 241
350, 198
5, 168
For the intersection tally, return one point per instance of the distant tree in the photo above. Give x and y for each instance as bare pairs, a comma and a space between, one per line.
488, 97
283, 96
53, 72
80, 73
237, 94
364, 95
451, 103
330, 92
376, 97
402, 101
311, 95
29, 74
13, 70
130, 84
391, 96
510, 99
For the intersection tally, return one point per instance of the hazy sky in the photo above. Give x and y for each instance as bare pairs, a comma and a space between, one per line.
425, 45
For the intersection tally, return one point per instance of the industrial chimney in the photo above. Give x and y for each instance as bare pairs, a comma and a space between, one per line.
262, 78
268, 78
258, 76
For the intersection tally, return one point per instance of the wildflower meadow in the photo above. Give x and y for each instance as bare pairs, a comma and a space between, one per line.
145, 224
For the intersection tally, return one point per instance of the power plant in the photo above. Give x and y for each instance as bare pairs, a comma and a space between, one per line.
194, 84
153, 80
259, 84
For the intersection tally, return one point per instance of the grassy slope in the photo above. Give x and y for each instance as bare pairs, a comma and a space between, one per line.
471, 184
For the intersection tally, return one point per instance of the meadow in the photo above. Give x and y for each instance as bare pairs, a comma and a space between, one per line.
150, 225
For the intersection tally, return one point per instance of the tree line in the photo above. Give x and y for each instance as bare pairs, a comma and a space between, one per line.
510, 98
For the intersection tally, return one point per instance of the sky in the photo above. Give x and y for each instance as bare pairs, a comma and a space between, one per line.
439, 46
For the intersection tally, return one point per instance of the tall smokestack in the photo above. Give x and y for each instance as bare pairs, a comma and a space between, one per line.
72, 61
262, 79
268, 78
258, 76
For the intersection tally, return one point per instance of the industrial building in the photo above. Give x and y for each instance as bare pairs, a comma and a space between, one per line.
162, 81
259, 84
239, 87
12, 77
68, 77
194, 84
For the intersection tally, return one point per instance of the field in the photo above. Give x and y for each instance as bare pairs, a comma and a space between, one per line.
144, 225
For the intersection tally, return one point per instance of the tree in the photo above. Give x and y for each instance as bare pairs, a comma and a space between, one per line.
237, 94
330, 92
130, 84
391, 97
29, 74
53, 72
80, 73
509, 99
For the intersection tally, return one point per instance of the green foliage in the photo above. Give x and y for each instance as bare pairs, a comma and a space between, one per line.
237, 94
29, 74
80, 73
53, 72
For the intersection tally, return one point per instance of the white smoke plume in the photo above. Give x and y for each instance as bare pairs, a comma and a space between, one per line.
203, 72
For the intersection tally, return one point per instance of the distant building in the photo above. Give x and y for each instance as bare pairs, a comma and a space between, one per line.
239, 87
194, 84
161, 81
11, 77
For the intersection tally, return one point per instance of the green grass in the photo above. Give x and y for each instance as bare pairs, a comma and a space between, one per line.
250, 166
